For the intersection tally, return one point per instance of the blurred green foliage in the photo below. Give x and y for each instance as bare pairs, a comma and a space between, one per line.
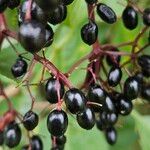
133, 131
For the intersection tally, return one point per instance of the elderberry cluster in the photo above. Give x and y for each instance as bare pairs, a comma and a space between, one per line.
100, 103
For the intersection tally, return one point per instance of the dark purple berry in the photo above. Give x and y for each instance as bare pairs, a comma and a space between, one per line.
19, 68
30, 120
75, 100
130, 18
58, 15
36, 13
1, 137
114, 76
3, 5
111, 135
146, 16
51, 88
13, 3
89, 33
57, 122
145, 92
100, 124
32, 36
67, 2
49, 36
36, 143
144, 61
12, 135
106, 13
131, 88
86, 119
91, 1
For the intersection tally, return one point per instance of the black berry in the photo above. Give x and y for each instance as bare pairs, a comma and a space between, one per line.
114, 76
131, 88
51, 88
145, 92
100, 124
75, 100
12, 135
67, 2
19, 68
1, 137
3, 5
57, 122
91, 1
86, 119
61, 140
49, 35
32, 36
111, 135
13, 3
36, 143
146, 16
58, 15
30, 120
89, 33
130, 18
106, 13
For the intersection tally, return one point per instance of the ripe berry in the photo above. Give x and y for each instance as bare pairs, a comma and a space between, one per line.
3, 5
124, 106
75, 100
19, 68
57, 122
12, 135
32, 36
130, 18
146, 16
89, 33
58, 15
91, 1
131, 88
36, 13
111, 135
67, 2
1, 137
49, 36
114, 76
106, 13
113, 60
51, 88
61, 140
108, 118
145, 93
36, 143
100, 124
108, 105
86, 119
13, 3
30, 120
57, 147
139, 77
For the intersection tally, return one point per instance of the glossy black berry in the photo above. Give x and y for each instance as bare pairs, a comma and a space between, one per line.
49, 35
51, 88
144, 61
111, 135
67, 2
75, 100
131, 88
91, 1
100, 124
12, 135
19, 68
13, 3
3, 5
113, 60
1, 137
130, 18
139, 77
124, 106
30, 120
106, 13
57, 122
89, 33
145, 92
146, 16
86, 119
48, 5
109, 105
61, 140
32, 36
36, 143
57, 147
36, 13
114, 76
58, 15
